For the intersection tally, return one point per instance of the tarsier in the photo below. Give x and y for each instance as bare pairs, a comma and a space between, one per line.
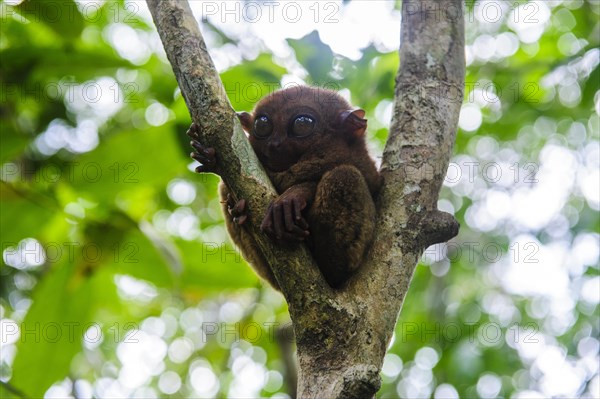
312, 146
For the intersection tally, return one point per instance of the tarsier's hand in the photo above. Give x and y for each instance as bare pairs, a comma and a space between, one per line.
284, 221
205, 155
237, 210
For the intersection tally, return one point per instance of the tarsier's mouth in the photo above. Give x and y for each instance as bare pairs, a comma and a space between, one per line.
277, 162
277, 165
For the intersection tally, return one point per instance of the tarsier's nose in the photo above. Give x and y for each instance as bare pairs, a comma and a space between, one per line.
275, 143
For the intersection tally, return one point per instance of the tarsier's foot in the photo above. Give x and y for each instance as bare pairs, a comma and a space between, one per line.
284, 221
205, 155
237, 210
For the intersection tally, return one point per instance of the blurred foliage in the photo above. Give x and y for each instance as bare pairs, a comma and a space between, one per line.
118, 279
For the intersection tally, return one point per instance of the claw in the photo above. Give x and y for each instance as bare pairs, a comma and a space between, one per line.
205, 155
240, 220
237, 210
239, 207
193, 131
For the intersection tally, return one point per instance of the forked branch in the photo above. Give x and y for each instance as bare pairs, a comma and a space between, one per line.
342, 335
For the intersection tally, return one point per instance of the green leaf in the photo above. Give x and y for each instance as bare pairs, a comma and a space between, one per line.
42, 67
21, 218
213, 266
137, 256
63, 17
247, 83
119, 245
315, 56
8, 392
129, 161
52, 331
13, 144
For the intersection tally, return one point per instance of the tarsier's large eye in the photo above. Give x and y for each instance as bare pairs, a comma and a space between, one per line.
262, 127
303, 126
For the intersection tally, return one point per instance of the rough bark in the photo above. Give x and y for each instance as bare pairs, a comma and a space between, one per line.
342, 335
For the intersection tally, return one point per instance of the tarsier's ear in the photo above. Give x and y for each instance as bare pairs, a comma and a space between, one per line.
353, 121
246, 120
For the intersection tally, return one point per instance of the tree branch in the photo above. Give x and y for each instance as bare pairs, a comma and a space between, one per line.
428, 97
238, 166
342, 335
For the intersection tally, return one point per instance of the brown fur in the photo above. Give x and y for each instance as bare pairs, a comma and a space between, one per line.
328, 172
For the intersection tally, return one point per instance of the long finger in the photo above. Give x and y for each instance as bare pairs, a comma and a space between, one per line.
207, 151
192, 131
240, 220
278, 221
239, 208
297, 209
302, 223
287, 216
289, 237
204, 160
267, 223
299, 232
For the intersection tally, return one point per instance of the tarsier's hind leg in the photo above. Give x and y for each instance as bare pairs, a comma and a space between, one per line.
342, 221
235, 211
241, 238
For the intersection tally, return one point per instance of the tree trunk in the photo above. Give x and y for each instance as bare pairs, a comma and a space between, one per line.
342, 335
